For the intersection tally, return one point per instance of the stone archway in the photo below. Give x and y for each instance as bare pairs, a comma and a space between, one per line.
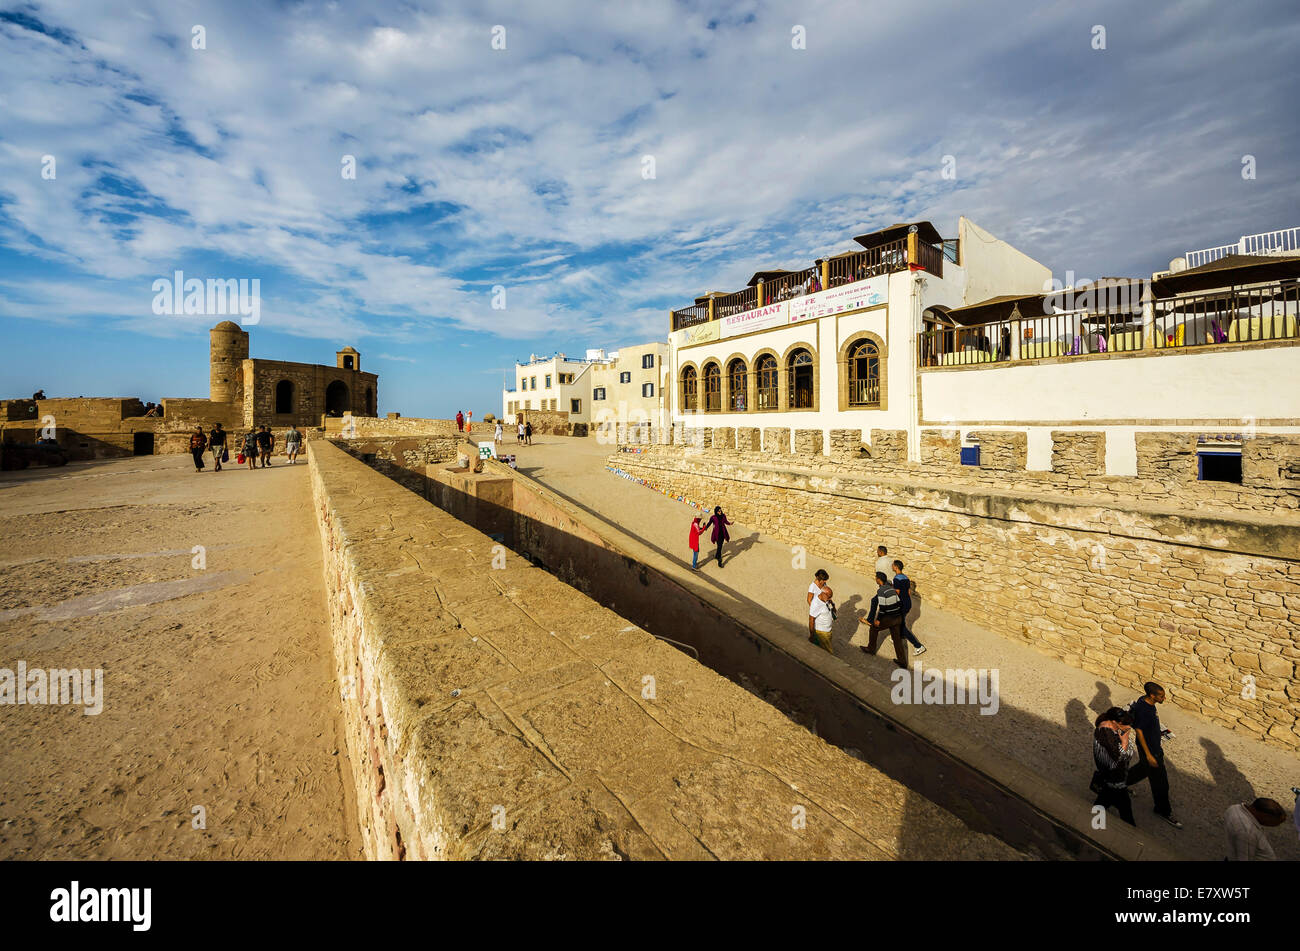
337, 399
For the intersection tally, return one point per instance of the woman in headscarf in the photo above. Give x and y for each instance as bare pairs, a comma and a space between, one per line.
719, 521
1113, 752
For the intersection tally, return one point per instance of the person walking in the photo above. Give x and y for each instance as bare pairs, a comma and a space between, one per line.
719, 521
883, 561
520, 437
198, 443
250, 448
496, 435
694, 541
1114, 749
885, 616
293, 444
1151, 757
1244, 824
821, 615
217, 442
460, 421
265, 443
528, 433
903, 585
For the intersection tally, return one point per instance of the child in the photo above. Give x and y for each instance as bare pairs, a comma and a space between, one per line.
696, 528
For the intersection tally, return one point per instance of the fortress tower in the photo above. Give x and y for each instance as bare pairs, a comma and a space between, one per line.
228, 349
348, 359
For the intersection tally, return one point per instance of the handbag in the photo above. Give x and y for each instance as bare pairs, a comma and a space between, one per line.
225, 454
240, 459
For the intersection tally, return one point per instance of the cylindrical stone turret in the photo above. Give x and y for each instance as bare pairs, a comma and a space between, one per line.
228, 351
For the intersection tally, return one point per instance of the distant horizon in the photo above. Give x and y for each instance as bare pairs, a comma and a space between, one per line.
448, 193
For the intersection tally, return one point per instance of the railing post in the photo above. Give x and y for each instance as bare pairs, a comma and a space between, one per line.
1015, 332
759, 292
710, 307
826, 273
911, 249
1148, 320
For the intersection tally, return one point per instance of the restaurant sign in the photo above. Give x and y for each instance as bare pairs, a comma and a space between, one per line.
840, 300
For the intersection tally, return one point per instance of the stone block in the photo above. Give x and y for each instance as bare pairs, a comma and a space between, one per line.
749, 439
1166, 457
808, 442
941, 446
1078, 453
1002, 450
776, 441
724, 437
1271, 462
889, 445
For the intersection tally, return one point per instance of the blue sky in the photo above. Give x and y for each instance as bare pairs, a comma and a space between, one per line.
523, 167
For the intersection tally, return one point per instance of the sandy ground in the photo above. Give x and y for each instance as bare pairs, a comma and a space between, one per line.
218, 681
1046, 706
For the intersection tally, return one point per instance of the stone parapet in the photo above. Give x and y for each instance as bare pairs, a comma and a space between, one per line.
493, 712
1078, 454
941, 447
1002, 450
776, 441
889, 446
808, 442
1195, 598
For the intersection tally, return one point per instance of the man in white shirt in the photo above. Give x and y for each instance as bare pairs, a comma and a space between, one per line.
819, 611
1244, 822
884, 563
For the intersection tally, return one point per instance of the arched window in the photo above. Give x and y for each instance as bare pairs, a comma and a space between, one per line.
737, 377
766, 368
712, 388
690, 392
864, 374
801, 379
284, 396
337, 399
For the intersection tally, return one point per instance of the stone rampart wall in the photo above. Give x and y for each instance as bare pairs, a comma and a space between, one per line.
1205, 600
493, 712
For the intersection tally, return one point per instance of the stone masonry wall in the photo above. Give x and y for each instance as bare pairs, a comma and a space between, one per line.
493, 712
1197, 601
1078, 454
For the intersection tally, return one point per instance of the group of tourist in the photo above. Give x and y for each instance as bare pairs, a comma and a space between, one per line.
889, 609
523, 433
464, 421
257, 445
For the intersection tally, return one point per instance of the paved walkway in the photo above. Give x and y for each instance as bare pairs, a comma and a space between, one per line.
218, 681
1046, 706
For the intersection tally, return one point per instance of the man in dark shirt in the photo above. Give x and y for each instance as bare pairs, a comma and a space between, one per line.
217, 443
885, 616
1151, 758
265, 442
903, 585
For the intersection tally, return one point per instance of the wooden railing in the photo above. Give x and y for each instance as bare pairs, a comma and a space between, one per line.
1268, 313
885, 259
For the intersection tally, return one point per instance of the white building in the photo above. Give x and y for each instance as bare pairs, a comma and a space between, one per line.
619, 386
912, 332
